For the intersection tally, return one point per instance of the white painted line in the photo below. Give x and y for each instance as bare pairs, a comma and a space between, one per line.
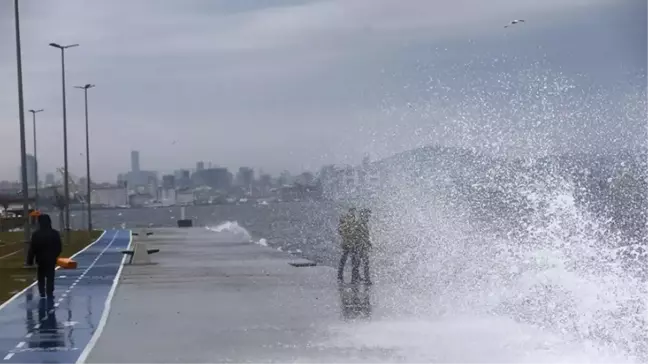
90, 245
104, 316
10, 254
63, 296
99, 256
8, 356
37, 326
67, 291
29, 335
20, 345
31, 285
56, 304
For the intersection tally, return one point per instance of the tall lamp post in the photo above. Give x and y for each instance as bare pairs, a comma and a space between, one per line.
89, 194
23, 148
66, 182
34, 112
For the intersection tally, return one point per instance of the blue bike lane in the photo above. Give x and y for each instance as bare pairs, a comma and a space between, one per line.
35, 331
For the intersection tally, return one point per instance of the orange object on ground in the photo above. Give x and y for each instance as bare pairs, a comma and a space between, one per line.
66, 263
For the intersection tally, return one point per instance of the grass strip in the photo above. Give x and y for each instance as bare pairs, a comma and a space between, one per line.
13, 276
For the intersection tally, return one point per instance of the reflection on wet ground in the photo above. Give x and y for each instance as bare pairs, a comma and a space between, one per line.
45, 329
355, 301
35, 330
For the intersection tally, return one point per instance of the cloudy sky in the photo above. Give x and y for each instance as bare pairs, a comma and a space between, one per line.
294, 84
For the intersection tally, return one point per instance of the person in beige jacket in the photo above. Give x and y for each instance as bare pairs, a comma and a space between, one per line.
348, 231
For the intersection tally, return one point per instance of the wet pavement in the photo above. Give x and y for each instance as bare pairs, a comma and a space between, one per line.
37, 331
209, 298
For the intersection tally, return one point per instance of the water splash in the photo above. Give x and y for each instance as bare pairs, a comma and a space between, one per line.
559, 279
232, 227
237, 232
482, 259
465, 339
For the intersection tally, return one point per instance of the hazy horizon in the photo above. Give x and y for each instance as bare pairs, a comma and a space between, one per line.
295, 84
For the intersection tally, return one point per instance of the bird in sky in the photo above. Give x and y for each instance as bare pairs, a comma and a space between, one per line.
514, 22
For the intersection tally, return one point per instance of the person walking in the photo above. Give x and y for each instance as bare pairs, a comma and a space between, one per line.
347, 230
46, 247
364, 242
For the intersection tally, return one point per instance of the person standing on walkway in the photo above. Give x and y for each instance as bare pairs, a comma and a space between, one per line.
46, 247
364, 242
347, 230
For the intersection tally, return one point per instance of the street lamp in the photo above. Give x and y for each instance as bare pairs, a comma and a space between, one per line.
89, 195
23, 149
66, 183
34, 112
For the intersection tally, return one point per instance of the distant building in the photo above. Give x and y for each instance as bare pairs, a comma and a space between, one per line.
49, 179
142, 179
182, 178
168, 196
285, 179
366, 161
217, 178
135, 161
168, 181
13, 186
83, 185
200, 166
109, 196
265, 183
305, 178
137, 179
245, 177
153, 185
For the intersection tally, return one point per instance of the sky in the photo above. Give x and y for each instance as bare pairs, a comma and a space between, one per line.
295, 84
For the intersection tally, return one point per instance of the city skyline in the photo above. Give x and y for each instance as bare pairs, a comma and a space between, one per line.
80, 174
135, 166
293, 85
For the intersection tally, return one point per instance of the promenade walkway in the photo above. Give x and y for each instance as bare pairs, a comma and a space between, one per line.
211, 298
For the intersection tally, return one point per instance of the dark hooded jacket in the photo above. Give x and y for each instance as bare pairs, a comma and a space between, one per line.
46, 242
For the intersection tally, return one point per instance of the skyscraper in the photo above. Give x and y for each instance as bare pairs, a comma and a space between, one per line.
49, 179
135, 162
168, 181
245, 177
182, 178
